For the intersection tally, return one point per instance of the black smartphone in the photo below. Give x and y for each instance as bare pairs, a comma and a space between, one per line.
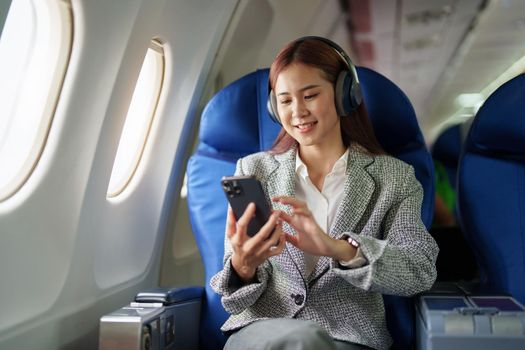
241, 191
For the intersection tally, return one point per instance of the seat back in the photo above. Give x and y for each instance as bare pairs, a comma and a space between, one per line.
396, 128
491, 189
447, 149
236, 123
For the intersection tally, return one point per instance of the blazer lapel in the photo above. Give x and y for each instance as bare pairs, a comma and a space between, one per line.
282, 183
358, 190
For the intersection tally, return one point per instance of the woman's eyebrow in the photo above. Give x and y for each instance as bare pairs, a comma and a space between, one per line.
301, 89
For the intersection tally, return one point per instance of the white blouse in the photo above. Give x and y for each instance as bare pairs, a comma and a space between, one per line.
323, 204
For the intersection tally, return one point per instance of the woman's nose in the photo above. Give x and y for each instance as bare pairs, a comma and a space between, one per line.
299, 110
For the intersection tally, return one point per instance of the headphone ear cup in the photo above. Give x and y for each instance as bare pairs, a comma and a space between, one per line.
343, 104
271, 105
348, 95
356, 94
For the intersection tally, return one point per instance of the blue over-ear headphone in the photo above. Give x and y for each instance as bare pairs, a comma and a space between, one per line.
347, 91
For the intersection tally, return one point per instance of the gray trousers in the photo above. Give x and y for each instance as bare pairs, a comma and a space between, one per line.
286, 334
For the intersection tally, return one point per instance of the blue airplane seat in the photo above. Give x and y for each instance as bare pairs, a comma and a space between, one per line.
396, 127
491, 189
235, 123
456, 261
447, 149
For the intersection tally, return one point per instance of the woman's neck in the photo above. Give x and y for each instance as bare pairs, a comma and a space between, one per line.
320, 161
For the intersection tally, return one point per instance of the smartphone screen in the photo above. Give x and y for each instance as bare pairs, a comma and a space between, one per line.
241, 191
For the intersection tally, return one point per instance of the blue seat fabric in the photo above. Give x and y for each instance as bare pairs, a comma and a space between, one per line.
447, 150
235, 123
491, 189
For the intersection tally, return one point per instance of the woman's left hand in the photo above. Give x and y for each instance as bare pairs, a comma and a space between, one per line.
310, 237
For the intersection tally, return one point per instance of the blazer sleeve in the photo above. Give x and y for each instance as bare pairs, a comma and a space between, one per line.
236, 297
404, 262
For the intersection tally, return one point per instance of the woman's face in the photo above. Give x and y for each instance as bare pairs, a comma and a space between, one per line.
306, 107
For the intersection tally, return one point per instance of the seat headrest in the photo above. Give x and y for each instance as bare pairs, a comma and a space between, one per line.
391, 113
447, 146
226, 126
498, 130
227, 121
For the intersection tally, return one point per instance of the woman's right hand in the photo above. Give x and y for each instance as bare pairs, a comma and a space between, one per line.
250, 252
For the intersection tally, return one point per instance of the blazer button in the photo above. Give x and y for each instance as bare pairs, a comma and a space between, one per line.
299, 299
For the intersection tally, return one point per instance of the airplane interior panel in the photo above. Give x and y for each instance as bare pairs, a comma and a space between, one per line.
118, 118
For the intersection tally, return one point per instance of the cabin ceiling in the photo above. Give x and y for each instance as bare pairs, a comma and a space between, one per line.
434, 50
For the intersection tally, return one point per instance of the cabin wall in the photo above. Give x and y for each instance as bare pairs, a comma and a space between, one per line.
68, 254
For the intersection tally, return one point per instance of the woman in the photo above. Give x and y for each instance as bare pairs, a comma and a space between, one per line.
347, 224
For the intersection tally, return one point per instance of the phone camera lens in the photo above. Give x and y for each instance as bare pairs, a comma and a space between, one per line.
237, 190
228, 188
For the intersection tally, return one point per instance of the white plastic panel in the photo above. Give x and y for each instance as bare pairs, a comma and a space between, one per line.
34, 54
129, 240
67, 254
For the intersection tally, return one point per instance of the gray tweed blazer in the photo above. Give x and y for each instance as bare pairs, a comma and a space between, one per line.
380, 210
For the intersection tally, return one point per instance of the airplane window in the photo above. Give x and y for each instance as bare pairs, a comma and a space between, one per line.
139, 119
35, 47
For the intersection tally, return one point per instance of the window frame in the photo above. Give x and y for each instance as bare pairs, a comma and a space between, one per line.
157, 45
65, 16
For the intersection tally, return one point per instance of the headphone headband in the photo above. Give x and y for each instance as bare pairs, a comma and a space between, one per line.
337, 49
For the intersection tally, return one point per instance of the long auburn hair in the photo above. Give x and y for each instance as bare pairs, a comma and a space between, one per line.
355, 128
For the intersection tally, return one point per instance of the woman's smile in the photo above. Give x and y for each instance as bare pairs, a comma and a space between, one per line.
306, 127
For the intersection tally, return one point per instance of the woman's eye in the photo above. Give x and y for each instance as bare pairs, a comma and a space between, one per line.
309, 97
284, 102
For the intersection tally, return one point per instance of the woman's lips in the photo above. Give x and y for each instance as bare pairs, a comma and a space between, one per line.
305, 127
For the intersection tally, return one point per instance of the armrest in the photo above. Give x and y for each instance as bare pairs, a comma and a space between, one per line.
467, 316
161, 317
169, 296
